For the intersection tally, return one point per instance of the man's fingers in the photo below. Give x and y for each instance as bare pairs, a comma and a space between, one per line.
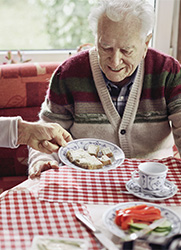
37, 168
35, 171
54, 164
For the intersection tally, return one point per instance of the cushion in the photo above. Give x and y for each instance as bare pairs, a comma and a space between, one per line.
24, 85
22, 90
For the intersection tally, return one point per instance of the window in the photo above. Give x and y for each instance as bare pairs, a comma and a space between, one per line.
43, 30
49, 30
44, 24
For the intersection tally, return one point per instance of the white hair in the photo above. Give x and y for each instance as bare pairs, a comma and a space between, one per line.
117, 10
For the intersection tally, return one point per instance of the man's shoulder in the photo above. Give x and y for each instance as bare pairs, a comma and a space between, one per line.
77, 65
154, 53
157, 62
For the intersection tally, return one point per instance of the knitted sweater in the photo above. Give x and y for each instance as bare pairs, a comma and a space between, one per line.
78, 99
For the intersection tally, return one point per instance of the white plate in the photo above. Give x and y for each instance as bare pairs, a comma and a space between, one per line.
117, 159
135, 189
53, 242
109, 217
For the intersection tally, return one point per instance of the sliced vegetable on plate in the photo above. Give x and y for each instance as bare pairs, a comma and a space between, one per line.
170, 227
137, 217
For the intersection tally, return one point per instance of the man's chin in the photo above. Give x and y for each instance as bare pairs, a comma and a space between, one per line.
116, 79
115, 76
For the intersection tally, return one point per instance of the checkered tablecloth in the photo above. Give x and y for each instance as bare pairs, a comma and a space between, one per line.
75, 186
22, 216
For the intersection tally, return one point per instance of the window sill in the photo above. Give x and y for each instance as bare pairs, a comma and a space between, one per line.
39, 55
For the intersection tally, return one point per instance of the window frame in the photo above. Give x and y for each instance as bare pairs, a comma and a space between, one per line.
165, 36
166, 30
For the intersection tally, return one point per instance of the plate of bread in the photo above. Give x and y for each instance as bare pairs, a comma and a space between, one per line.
90, 154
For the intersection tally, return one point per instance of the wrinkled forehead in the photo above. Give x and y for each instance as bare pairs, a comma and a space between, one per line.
124, 30
129, 24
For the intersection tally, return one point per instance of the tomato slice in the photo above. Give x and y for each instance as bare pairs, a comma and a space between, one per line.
137, 207
126, 221
141, 213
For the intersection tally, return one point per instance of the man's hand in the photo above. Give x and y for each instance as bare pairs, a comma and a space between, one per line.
40, 166
45, 137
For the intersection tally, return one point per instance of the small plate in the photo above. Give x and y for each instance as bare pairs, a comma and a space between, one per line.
53, 242
109, 217
135, 189
117, 159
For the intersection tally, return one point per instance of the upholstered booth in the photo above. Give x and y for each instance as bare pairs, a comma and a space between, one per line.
22, 90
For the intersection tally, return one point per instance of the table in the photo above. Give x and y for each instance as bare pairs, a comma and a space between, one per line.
46, 206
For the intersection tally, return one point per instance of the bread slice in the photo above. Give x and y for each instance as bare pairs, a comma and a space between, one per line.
95, 163
107, 151
93, 149
82, 162
83, 159
73, 155
105, 160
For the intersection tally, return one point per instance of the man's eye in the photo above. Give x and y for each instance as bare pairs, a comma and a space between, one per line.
127, 52
105, 48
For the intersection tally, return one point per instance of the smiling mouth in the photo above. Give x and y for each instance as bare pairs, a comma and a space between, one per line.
115, 70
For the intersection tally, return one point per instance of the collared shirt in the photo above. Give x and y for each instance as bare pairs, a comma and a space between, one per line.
120, 95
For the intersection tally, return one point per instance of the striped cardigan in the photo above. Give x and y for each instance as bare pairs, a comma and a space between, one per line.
79, 100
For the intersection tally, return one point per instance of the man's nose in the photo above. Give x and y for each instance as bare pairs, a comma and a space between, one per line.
116, 58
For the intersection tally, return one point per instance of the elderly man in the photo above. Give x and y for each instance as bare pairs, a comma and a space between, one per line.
120, 91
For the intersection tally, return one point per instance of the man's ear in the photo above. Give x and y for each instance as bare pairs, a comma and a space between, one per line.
148, 38
147, 41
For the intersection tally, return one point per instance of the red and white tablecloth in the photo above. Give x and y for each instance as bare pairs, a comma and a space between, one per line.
76, 186
22, 216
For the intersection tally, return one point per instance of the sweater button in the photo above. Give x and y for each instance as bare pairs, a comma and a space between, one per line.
123, 131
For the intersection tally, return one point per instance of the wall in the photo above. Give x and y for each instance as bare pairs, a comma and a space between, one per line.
166, 28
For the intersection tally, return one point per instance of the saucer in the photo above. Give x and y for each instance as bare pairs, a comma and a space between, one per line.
135, 189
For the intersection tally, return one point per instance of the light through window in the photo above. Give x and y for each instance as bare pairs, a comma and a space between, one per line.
44, 24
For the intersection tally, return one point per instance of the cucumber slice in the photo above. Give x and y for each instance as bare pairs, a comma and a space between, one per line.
165, 224
134, 230
138, 226
160, 234
165, 227
161, 230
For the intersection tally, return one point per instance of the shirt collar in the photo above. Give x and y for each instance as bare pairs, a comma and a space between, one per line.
111, 84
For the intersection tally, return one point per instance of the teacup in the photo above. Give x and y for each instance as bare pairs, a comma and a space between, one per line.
152, 176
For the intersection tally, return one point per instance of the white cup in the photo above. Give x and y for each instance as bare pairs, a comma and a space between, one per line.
152, 176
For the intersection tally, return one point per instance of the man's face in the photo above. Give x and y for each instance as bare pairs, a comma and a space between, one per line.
120, 48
